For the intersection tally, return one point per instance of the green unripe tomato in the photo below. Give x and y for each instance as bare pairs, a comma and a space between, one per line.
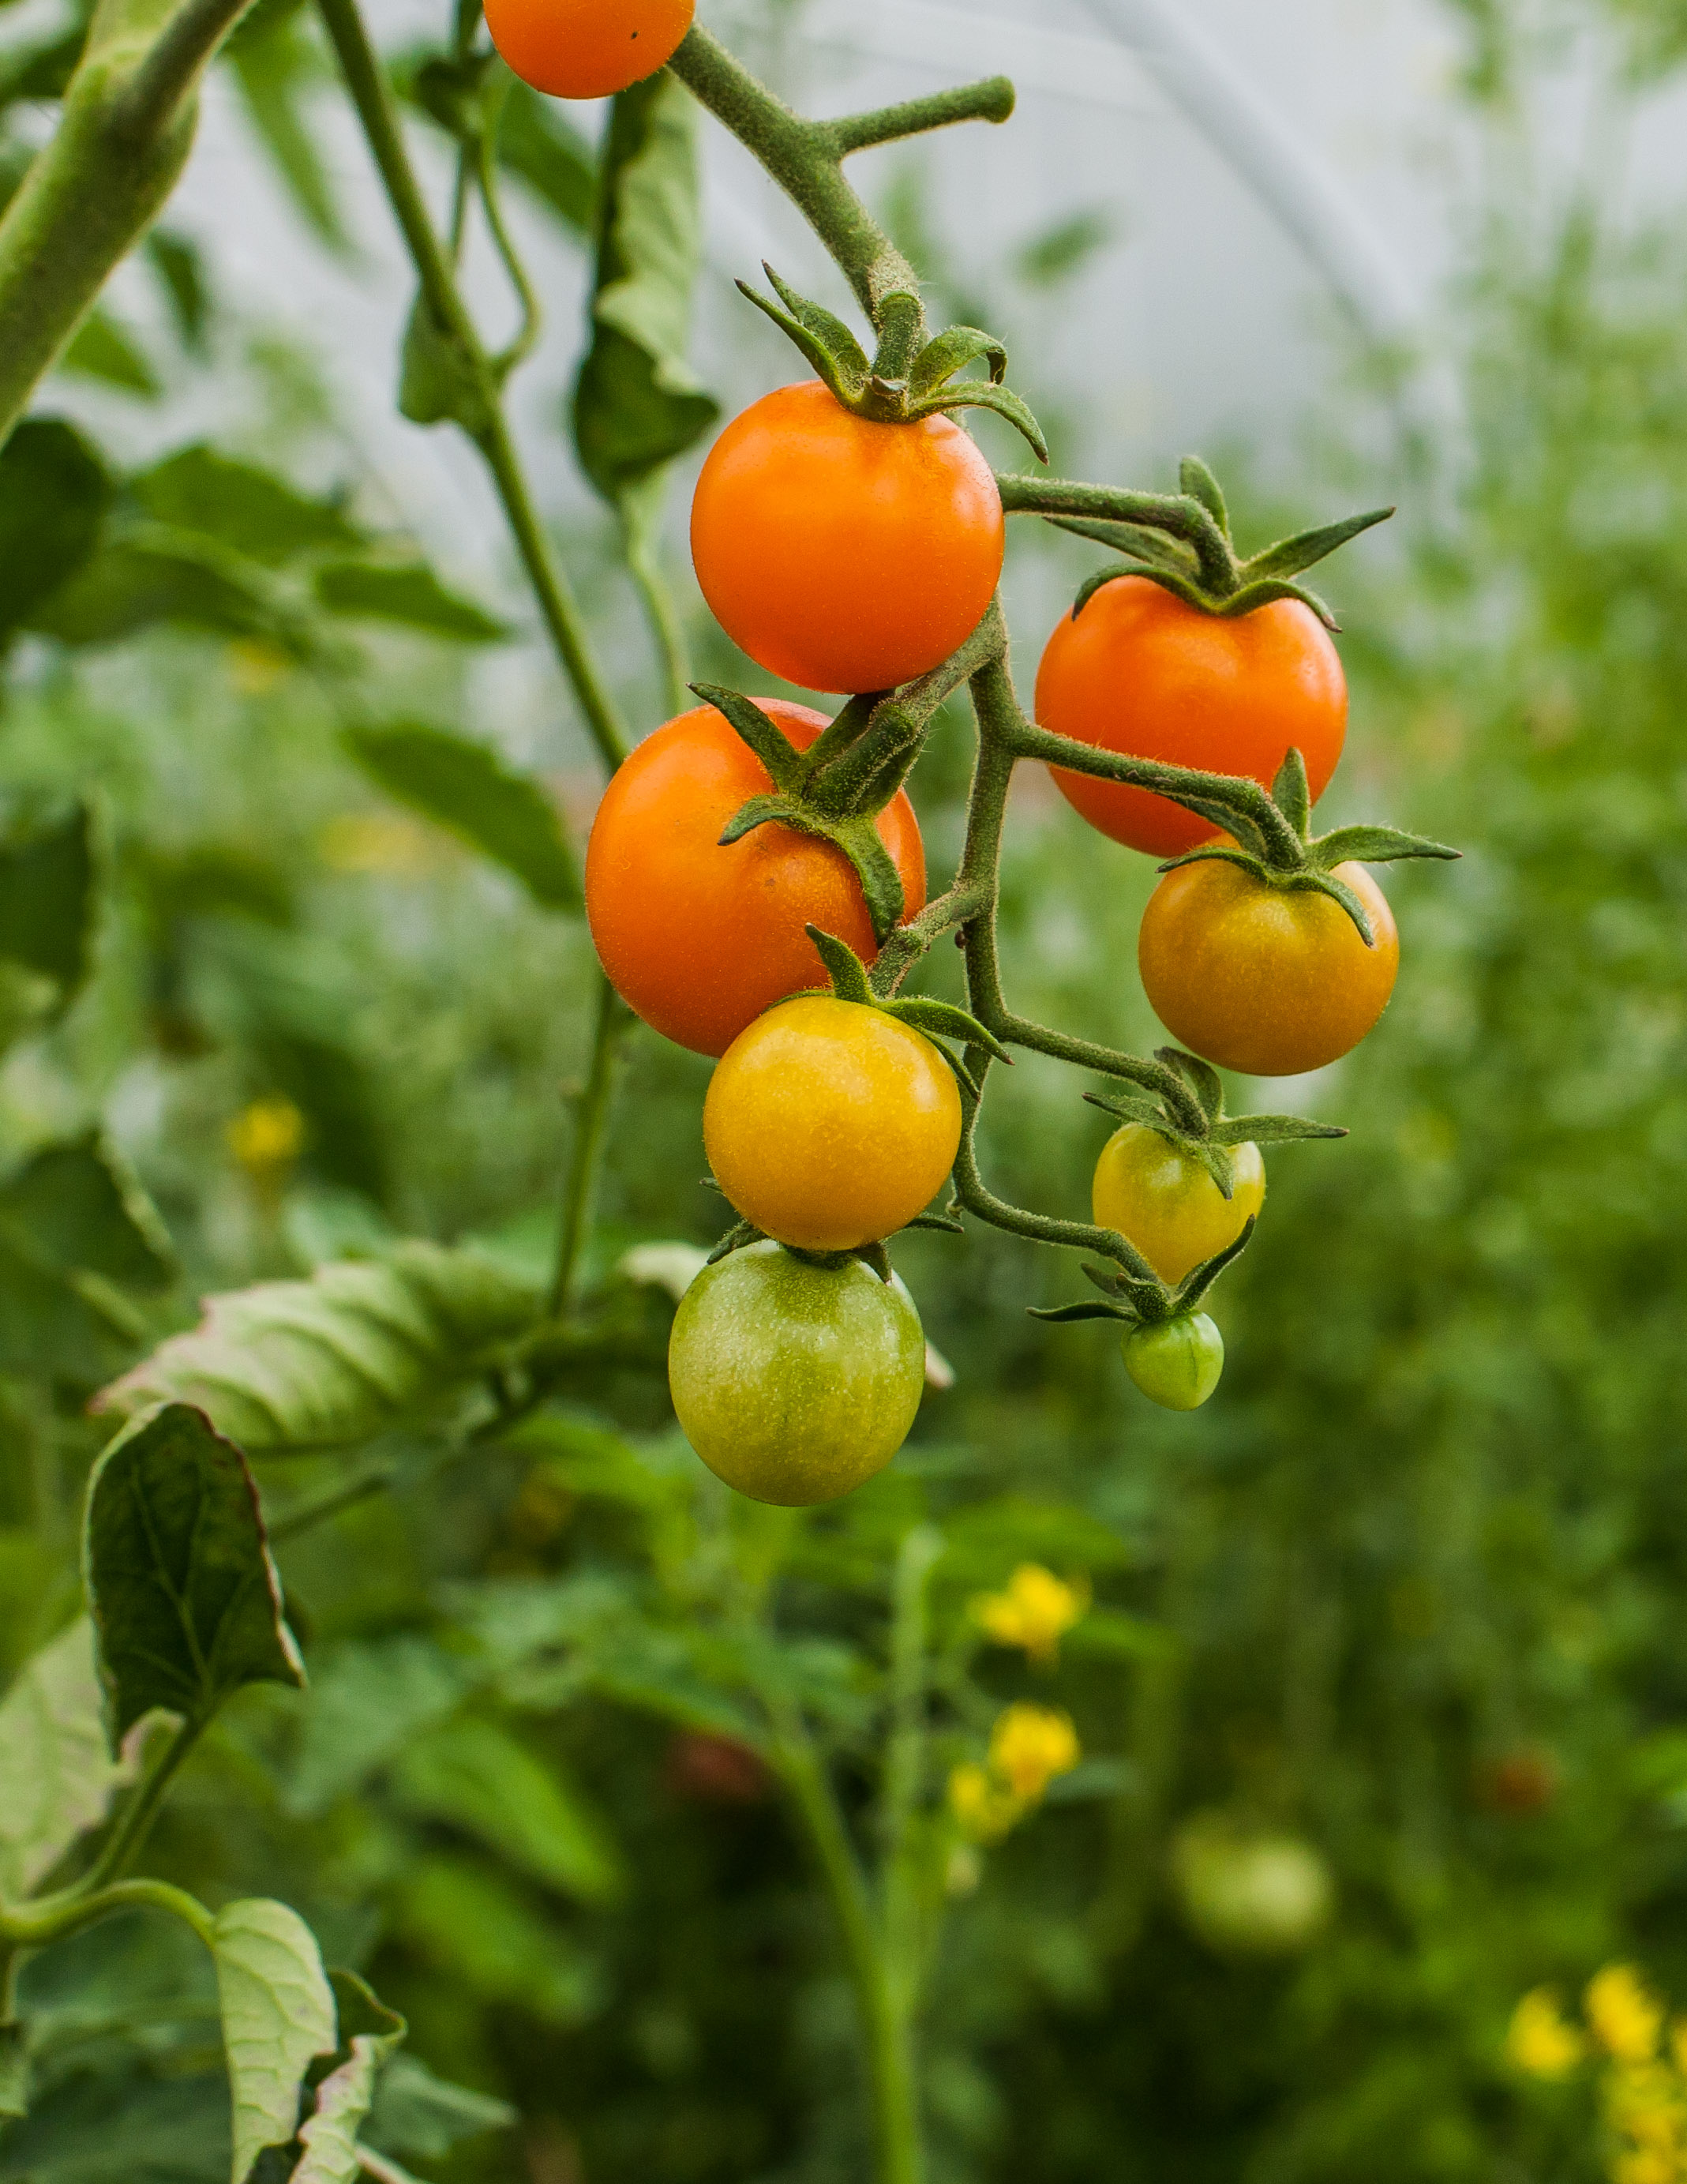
1247, 1892
1179, 1363
794, 1382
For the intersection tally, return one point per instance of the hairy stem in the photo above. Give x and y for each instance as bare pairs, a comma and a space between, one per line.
372, 96
591, 1135
132, 1829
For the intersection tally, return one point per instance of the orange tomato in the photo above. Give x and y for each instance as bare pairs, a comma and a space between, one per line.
1140, 672
587, 48
843, 554
1263, 979
829, 1124
700, 940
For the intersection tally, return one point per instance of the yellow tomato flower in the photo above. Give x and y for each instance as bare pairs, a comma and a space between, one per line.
1624, 2018
1643, 2165
984, 1808
1030, 1746
1540, 2041
1034, 1613
267, 1137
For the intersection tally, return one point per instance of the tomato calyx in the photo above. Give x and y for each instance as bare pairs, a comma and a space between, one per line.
835, 790
1197, 562
1292, 857
936, 1020
907, 380
1200, 1129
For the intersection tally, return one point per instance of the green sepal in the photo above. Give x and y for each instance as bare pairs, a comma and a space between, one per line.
763, 734
1198, 481
1320, 882
1195, 1285
1201, 1077
1260, 593
841, 734
952, 351
823, 338
1137, 541
760, 811
981, 394
861, 776
1272, 1130
963, 1076
1289, 556
1292, 793
1169, 576
1132, 1278
735, 1239
945, 1221
1219, 853
1067, 1313
881, 885
943, 1020
843, 967
1134, 1106
875, 1256
1375, 846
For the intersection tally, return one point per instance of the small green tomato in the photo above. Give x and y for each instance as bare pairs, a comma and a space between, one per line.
1177, 1364
795, 1382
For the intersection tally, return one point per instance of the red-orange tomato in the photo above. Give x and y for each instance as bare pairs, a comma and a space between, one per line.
843, 554
700, 940
1140, 672
587, 48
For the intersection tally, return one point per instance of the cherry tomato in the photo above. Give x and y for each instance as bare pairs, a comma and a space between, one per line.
829, 1124
587, 48
795, 1382
698, 938
1263, 979
1247, 1892
843, 554
1177, 1364
1167, 1205
1140, 672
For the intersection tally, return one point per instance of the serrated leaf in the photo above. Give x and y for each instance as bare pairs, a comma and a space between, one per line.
952, 351
184, 1599
1273, 1130
80, 1208
369, 2033
278, 2017
409, 592
979, 394
58, 1778
471, 1774
1292, 793
1376, 845
1289, 556
1198, 481
843, 967
333, 1360
54, 492
248, 509
637, 405
461, 785
943, 1020
759, 731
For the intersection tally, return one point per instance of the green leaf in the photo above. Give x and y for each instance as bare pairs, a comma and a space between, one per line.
951, 352
369, 2033
15, 2070
101, 348
81, 1209
984, 1543
56, 1776
248, 509
417, 2113
843, 967
1289, 556
46, 894
54, 496
137, 582
278, 2016
333, 1360
475, 1776
276, 67
537, 143
637, 403
486, 1937
943, 1020
464, 787
184, 1599
365, 1706
1376, 845
406, 591
439, 380
1198, 481
54, 1322
181, 275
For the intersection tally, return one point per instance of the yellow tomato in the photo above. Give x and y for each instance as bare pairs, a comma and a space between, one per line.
829, 1124
1166, 1204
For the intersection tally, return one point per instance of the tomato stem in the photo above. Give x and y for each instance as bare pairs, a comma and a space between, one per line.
591, 1137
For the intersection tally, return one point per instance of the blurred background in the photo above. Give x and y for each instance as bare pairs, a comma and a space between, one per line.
1404, 1606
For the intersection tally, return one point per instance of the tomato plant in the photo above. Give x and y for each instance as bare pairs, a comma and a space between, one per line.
700, 936
795, 1382
829, 1125
1166, 1203
1139, 670
587, 48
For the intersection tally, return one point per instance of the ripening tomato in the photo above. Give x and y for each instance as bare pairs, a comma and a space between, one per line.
1177, 1364
1140, 672
843, 554
1268, 980
587, 48
1166, 1204
700, 940
829, 1124
794, 1382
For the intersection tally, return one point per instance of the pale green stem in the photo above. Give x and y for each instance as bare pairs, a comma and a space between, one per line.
590, 1130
